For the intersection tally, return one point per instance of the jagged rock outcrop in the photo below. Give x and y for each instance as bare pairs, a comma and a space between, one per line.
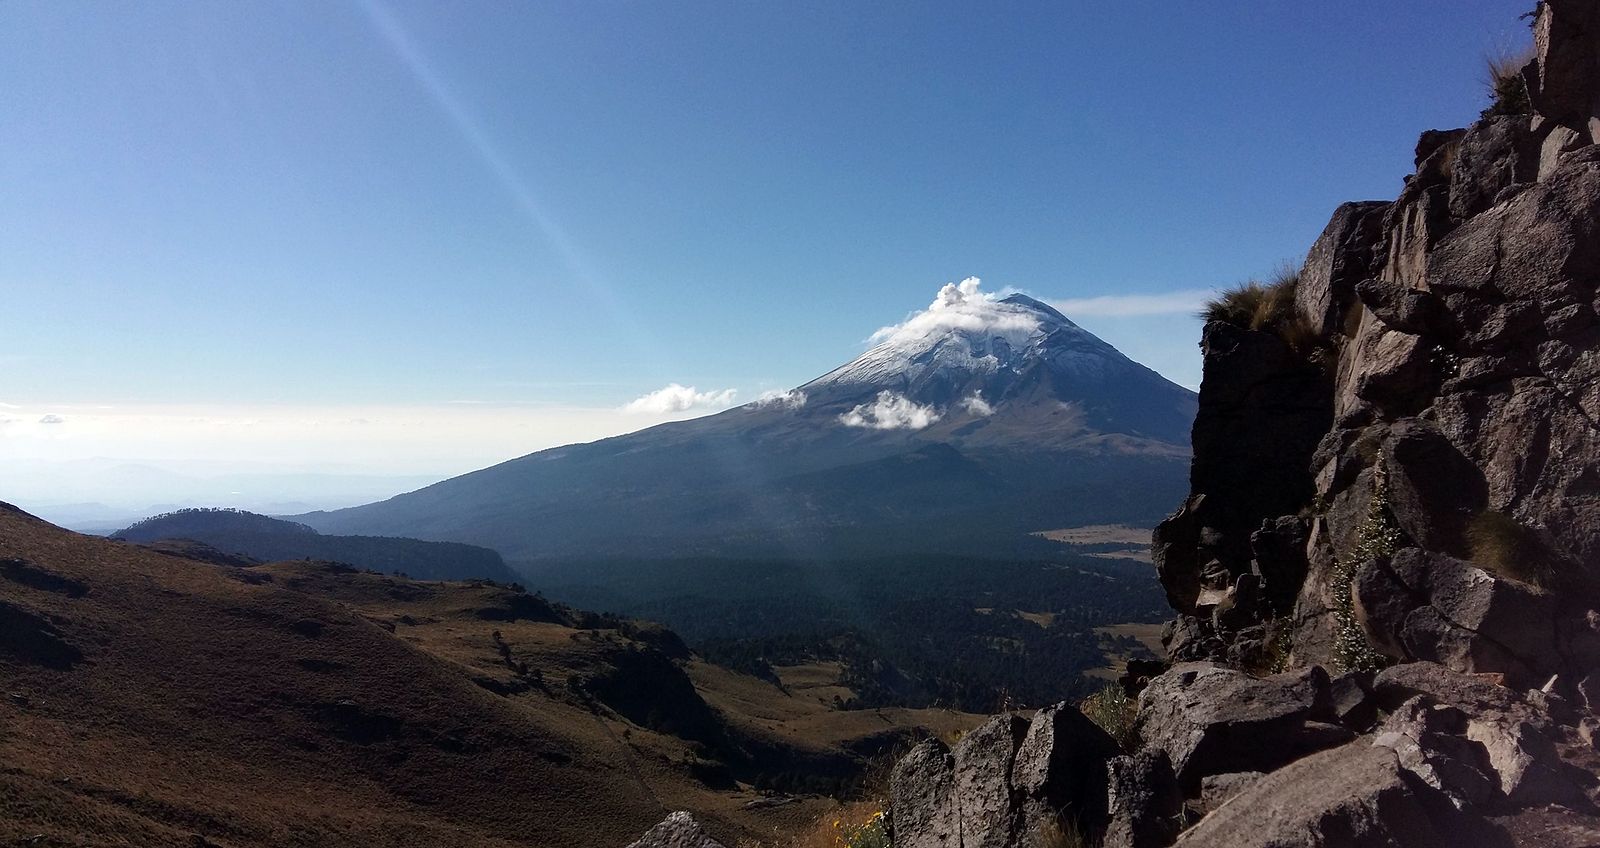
1457, 759
1144, 799
1440, 449
678, 830
1003, 784
1431, 501
1418, 605
1397, 479
1350, 796
1212, 720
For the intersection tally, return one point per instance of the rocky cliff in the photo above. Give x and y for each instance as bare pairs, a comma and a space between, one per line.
1408, 467
1386, 572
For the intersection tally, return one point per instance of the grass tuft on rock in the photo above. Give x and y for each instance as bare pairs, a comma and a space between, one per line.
1500, 545
1114, 712
1266, 306
1062, 833
1507, 90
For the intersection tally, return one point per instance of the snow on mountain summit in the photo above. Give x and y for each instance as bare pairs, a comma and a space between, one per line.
967, 331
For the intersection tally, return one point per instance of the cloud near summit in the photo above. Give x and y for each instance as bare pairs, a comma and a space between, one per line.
678, 398
958, 306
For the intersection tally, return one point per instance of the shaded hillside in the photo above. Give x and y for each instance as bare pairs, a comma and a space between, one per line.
907, 631
979, 421
266, 538
152, 699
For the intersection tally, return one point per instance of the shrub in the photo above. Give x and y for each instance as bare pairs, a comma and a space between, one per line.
1508, 92
1114, 712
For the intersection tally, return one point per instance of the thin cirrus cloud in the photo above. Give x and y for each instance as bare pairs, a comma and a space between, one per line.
1183, 301
679, 398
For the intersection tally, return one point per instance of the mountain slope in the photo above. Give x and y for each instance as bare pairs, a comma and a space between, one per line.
265, 538
155, 700
974, 422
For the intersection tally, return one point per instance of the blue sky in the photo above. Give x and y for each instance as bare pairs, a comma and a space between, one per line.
313, 211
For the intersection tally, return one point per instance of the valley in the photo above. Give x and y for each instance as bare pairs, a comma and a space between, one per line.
161, 700
910, 631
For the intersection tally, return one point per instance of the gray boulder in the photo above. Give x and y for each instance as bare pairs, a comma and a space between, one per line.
1493, 155
1434, 490
1060, 770
1565, 81
1428, 606
982, 793
1341, 257
921, 811
1355, 795
1003, 784
1430, 741
678, 830
1515, 740
1144, 800
1210, 719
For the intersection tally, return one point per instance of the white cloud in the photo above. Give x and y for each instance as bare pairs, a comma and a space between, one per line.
676, 398
977, 405
960, 306
890, 411
792, 399
1186, 301
52, 419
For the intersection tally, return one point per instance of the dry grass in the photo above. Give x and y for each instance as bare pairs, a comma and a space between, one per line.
312, 705
858, 825
1500, 545
1062, 833
1508, 92
1266, 306
1114, 712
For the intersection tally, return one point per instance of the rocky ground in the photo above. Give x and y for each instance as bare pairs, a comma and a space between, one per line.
1386, 572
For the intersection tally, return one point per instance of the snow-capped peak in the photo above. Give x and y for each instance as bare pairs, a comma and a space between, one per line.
966, 330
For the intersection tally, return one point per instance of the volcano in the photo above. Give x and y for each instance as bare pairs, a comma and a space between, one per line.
970, 425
